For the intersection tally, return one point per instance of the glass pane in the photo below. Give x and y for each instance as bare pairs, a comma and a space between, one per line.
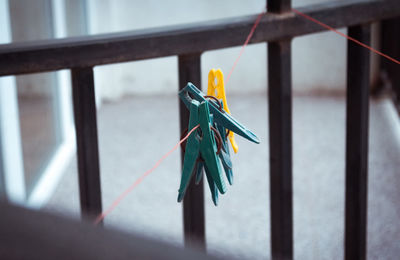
37, 93
40, 131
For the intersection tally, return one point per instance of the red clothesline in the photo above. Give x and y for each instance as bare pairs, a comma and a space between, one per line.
345, 36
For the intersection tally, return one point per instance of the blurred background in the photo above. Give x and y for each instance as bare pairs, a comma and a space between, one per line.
137, 99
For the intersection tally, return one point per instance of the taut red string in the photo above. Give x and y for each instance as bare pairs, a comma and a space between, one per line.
345, 36
244, 45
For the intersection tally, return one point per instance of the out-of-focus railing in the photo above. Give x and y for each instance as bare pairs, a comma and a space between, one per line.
278, 27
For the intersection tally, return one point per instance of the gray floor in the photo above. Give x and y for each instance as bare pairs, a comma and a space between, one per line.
135, 132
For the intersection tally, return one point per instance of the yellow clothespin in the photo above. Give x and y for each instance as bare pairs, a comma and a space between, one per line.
218, 90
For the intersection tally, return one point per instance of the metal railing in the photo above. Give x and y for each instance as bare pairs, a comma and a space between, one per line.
278, 27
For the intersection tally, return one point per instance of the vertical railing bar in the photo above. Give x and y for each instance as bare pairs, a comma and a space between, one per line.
279, 6
193, 203
280, 140
87, 141
358, 69
390, 42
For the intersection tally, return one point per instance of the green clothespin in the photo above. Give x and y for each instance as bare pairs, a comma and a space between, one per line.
200, 167
208, 148
192, 150
223, 154
203, 145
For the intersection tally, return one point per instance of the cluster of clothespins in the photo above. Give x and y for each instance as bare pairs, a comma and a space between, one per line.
208, 144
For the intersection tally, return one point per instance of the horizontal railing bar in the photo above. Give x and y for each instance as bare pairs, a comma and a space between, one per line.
88, 51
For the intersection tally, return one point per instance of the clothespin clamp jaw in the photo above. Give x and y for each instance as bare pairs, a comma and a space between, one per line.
213, 188
217, 89
220, 116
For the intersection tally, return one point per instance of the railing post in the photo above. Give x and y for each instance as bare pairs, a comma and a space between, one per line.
390, 41
358, 67
280, 140
86, 138
193, 203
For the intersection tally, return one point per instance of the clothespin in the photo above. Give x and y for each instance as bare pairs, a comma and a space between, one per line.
199, 174
200, 143
202, 149
190, 92
224, 155
225, 159
218, 90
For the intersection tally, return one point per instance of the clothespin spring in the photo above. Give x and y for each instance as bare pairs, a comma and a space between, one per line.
220, 109
217, 137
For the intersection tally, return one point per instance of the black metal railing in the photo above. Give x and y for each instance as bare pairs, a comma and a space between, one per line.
278, 27
390, 38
